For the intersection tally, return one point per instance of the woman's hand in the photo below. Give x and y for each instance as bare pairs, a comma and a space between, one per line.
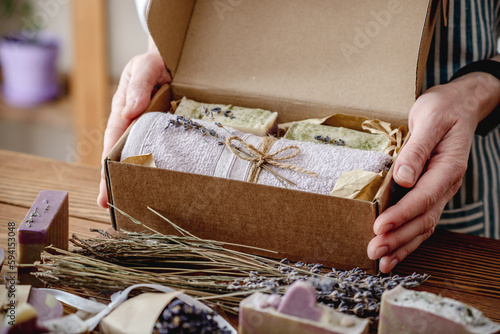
137, 83
442, 123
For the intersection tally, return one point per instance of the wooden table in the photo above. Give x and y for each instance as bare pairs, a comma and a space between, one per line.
463, 267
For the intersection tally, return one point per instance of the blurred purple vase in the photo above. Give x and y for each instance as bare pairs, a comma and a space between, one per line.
29, 69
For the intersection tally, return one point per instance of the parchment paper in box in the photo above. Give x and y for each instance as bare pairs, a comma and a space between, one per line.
303, 59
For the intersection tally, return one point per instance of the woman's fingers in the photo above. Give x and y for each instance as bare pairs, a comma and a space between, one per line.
137, 82
148, 71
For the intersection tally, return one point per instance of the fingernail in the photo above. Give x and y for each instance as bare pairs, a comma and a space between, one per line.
385, 228
393, 263
129, 106
406, 173
381, 251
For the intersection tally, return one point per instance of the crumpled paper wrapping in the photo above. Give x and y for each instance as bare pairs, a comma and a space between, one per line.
358, 184
145, 160
137, 315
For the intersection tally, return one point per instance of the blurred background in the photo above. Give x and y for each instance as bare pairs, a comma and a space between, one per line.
59, 74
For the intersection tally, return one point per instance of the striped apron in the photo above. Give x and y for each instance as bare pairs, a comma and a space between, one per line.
471, 34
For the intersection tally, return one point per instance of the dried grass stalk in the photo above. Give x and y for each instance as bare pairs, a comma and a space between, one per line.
204, 269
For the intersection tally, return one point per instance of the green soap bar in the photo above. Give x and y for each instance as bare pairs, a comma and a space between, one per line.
259, 122
308, 132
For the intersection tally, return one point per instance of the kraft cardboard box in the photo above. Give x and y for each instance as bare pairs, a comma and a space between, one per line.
303, 59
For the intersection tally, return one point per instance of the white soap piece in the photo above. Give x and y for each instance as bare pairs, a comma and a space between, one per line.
324, 134
408, 311
259, 122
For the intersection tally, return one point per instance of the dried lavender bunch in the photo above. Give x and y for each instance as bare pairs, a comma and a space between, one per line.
348, 291
328, 140
179, 317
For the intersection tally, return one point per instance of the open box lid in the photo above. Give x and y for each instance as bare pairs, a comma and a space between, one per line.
301, 58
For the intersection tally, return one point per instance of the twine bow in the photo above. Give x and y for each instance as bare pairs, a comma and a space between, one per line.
396, 136
261, 158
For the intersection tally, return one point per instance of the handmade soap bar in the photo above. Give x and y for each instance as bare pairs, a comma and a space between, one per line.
259, 122
412, 312
45, 224
316, 133
297, 313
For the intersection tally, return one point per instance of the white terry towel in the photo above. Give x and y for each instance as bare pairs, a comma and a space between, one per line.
187, 151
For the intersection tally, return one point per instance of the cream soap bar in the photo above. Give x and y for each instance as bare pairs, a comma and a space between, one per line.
412, 312
297, 312
45, 224
259, 122
316, 133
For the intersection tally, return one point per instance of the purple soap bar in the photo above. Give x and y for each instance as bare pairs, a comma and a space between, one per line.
415, 312
300, 301
45, 224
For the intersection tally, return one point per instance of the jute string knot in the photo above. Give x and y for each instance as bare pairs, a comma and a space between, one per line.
262, 157
396, 136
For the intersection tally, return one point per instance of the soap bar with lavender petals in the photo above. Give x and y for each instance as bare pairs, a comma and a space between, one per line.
412, 312
45, 224
259, 122
324, 134
297, 312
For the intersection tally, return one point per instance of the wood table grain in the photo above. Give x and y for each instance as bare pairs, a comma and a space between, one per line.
463, 267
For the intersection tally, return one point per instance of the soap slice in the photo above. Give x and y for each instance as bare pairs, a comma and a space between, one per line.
45, 224
415, 312
317, 133
259, 122
297, 312
30, 316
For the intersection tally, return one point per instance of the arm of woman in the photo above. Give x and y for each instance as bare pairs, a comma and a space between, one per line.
137, 82
442, 123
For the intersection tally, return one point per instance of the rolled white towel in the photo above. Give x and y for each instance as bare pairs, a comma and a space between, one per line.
188, 151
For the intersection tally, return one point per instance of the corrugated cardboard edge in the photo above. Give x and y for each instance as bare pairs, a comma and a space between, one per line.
179, 15
298, 225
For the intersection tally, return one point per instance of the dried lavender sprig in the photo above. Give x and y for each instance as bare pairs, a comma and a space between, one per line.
328, 140
188, 124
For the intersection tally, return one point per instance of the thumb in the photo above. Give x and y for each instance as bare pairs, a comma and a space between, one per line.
414, 155
141, 86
